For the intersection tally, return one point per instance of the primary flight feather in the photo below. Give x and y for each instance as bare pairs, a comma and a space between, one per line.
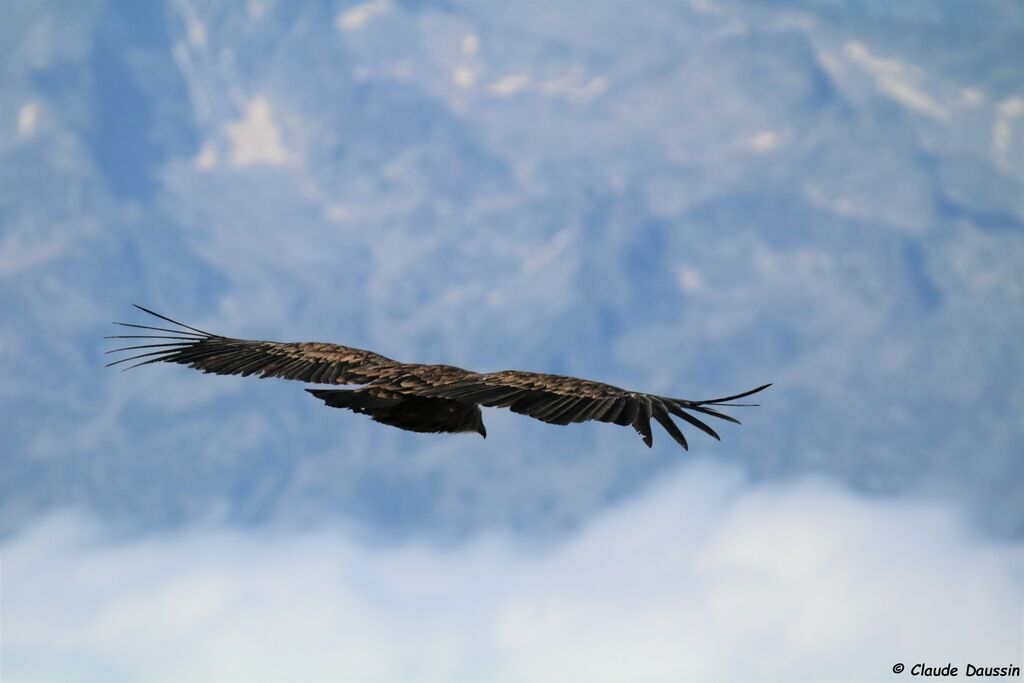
416, 397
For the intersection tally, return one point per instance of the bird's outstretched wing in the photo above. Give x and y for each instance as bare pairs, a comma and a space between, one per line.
561, 400
313, 362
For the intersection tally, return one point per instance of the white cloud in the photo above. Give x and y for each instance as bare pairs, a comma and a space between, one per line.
359, 16
195, 29
689, 279
511, 85
28, 118
592, 88
464, 77
466, 73
24, 248
1008, 110
470, 44
197, 34
256, 9
571, 85
804, 580
896, 80
338, 213
972, 96
762, 142
256, 138
207, 157
551, 251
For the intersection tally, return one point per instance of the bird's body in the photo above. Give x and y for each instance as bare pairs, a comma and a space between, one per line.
413, 413
418, 397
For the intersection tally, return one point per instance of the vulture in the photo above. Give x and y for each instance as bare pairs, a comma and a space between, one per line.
418, 397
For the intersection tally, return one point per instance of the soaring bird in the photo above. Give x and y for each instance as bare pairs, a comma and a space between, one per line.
417, 397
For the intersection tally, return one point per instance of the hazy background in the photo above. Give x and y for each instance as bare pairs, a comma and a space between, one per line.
684, 198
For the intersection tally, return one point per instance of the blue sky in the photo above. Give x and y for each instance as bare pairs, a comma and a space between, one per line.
683, 198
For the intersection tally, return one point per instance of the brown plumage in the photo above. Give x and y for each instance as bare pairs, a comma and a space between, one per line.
422, 398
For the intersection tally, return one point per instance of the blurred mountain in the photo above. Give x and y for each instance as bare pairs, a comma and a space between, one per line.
689, 199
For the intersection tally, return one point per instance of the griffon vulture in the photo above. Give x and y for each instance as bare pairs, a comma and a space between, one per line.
422, 398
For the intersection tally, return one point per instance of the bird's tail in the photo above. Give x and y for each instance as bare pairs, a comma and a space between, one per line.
337, 398
356, 400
